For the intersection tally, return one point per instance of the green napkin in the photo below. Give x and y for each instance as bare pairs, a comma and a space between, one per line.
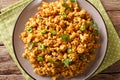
9, 15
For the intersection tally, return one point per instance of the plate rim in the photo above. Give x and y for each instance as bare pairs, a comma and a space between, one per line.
90, 75
106, 40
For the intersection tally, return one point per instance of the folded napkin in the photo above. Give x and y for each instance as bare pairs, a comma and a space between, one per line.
8, 17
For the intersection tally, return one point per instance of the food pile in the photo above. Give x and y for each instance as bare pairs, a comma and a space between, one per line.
61, 39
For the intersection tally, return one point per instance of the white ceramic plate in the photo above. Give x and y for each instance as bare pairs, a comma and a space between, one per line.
18, 45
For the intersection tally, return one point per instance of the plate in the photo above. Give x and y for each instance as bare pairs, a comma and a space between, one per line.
30, 10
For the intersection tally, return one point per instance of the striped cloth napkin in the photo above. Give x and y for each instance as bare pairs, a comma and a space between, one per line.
8, 17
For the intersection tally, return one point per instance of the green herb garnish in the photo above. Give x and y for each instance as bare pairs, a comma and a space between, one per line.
66, 6
69, 50
73, 1
40, 58
65, 37
67, 61
94, 25
54, 32
41, 47
84, 57
94, 50
40, 17
31, 44
63, 14
83, 27
28, 29
55, 63
51, 61
43, 31
95, 33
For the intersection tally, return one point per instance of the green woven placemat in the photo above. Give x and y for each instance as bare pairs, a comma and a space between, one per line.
9, 16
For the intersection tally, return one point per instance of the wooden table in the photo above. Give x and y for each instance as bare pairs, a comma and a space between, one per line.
9, 71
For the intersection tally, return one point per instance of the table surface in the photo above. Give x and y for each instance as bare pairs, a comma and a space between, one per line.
9, 71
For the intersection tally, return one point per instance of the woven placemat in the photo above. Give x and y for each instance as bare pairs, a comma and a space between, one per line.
9, 16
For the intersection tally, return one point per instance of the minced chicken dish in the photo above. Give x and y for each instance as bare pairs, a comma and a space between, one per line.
60, 39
